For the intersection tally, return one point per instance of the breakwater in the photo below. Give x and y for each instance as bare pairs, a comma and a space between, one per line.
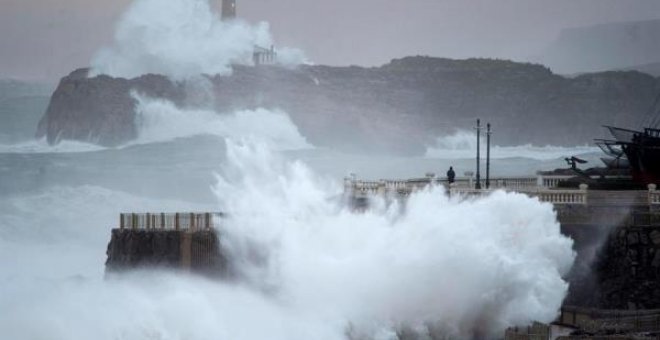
182, 241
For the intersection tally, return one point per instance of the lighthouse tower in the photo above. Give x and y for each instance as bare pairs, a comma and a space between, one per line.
228, 9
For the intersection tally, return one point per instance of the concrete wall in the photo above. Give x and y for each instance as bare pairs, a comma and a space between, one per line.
197, 251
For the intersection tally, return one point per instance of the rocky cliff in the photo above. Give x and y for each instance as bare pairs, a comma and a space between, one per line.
398, 107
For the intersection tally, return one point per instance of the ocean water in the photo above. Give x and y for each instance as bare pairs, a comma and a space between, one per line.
306, 266
458, 268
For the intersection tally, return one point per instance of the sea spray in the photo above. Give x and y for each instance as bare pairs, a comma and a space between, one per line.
306, 266
159, 120
182, 39
463, 144
461, 267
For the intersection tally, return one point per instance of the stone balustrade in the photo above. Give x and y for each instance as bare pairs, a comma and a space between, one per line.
542, 187
554, 196
168, 221
511, 183
561, 196
551, 181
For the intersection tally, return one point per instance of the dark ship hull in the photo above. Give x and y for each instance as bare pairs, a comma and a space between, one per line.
642, 149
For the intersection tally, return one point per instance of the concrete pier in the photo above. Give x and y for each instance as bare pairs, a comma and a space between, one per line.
182, 241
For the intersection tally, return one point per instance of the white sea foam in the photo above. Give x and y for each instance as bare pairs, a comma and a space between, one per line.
307, 268
180, 39
463, 144
42, 146
160, 120
465, 268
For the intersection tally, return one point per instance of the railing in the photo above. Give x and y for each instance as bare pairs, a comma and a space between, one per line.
469, 192
551, 181
509, 183
561, 196
464, 186
168, 221
513, 182
544, 195
542, 187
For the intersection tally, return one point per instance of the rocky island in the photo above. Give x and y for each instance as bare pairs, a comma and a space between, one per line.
399, 107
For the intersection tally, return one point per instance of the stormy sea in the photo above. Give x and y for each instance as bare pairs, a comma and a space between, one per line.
307, 266
325, 271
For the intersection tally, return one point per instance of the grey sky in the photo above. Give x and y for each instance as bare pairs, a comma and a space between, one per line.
46, 39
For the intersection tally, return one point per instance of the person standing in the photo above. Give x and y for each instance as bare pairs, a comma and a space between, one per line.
451, 175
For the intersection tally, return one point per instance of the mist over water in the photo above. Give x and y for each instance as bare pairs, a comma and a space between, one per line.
160, 120
42, 146
463, 144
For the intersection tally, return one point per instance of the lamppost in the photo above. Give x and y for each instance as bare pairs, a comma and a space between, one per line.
478, 183
488, 133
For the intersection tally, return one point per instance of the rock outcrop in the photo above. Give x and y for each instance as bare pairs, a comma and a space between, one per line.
398, 107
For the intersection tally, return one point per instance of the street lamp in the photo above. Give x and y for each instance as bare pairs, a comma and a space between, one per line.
478, 183
488, 133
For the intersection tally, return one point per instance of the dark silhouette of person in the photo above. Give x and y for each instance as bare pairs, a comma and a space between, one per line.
451, 175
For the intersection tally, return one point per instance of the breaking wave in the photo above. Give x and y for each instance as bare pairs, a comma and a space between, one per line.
42, 146
463, 144
306, 267
160, 120
460, 268
180, 39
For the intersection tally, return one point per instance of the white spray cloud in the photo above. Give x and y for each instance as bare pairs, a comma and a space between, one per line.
307, 268
51, 275
463, 144
180, 39
160, 120
465, 268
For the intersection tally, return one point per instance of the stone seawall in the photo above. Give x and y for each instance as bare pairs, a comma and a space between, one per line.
614, 267
197, 251
629, 269
618, 256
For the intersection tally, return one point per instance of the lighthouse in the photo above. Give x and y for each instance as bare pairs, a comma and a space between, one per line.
228, 9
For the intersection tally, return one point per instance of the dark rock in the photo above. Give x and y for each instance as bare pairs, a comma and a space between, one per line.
399, 107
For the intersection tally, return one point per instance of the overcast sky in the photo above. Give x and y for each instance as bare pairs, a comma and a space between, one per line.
46, 39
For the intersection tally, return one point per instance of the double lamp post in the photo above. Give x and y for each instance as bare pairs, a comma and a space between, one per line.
488, 133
